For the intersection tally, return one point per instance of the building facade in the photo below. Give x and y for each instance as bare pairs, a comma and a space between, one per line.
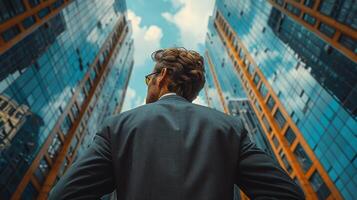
242, 109
64, 67
296, 62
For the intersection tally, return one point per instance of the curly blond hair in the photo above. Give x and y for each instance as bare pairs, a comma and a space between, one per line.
186, 70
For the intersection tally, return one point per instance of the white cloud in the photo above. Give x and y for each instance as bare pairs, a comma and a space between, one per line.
132, 100
191, 19
146, 38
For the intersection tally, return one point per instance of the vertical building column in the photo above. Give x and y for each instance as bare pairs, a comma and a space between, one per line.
217, 85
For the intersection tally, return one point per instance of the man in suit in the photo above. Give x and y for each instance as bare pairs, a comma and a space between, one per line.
173, 149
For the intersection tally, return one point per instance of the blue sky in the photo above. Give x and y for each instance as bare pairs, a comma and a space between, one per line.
160, 24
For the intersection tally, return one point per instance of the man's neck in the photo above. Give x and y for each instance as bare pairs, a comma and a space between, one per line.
167, 94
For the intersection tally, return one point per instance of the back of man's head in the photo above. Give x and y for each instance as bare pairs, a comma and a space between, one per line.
186, 70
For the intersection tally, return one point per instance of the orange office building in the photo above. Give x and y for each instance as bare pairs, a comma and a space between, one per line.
296, 62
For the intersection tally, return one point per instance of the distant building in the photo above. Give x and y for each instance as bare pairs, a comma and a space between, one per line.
64, 67
12, 117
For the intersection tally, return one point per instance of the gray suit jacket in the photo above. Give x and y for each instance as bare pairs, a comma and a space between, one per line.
173, 149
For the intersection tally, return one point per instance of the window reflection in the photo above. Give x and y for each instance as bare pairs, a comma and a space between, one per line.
279, 118
302, 157
286, 162
42, 171
319, 186
54, 147
290, 136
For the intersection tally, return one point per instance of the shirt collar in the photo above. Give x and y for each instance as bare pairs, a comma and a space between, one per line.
168, 94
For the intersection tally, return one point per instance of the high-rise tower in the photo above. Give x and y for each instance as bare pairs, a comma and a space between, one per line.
64, 67
297, 64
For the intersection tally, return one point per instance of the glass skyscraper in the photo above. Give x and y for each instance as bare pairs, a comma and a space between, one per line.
64, 67
296, 62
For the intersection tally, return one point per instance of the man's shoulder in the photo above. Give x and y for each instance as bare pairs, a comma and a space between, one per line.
219, 117
153, 107
208, 111
139, 113
122, 115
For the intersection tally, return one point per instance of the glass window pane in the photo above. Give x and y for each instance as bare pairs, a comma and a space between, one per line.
279, 118
256, 79
319, 186
42, 171
42, 13
54, 147
263, 90
309, 19
75, 111
271, 103
34, 3
275, 141
10, 33
309, 3
302, 157
66, 125
296, 11
348, 42
266, 124
290, 136
327, 30
327, 7
286, 163
29, 21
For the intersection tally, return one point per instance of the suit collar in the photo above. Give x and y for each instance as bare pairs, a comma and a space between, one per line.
167, 94
172, 97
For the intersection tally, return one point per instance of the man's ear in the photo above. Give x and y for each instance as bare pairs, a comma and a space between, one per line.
163, 77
